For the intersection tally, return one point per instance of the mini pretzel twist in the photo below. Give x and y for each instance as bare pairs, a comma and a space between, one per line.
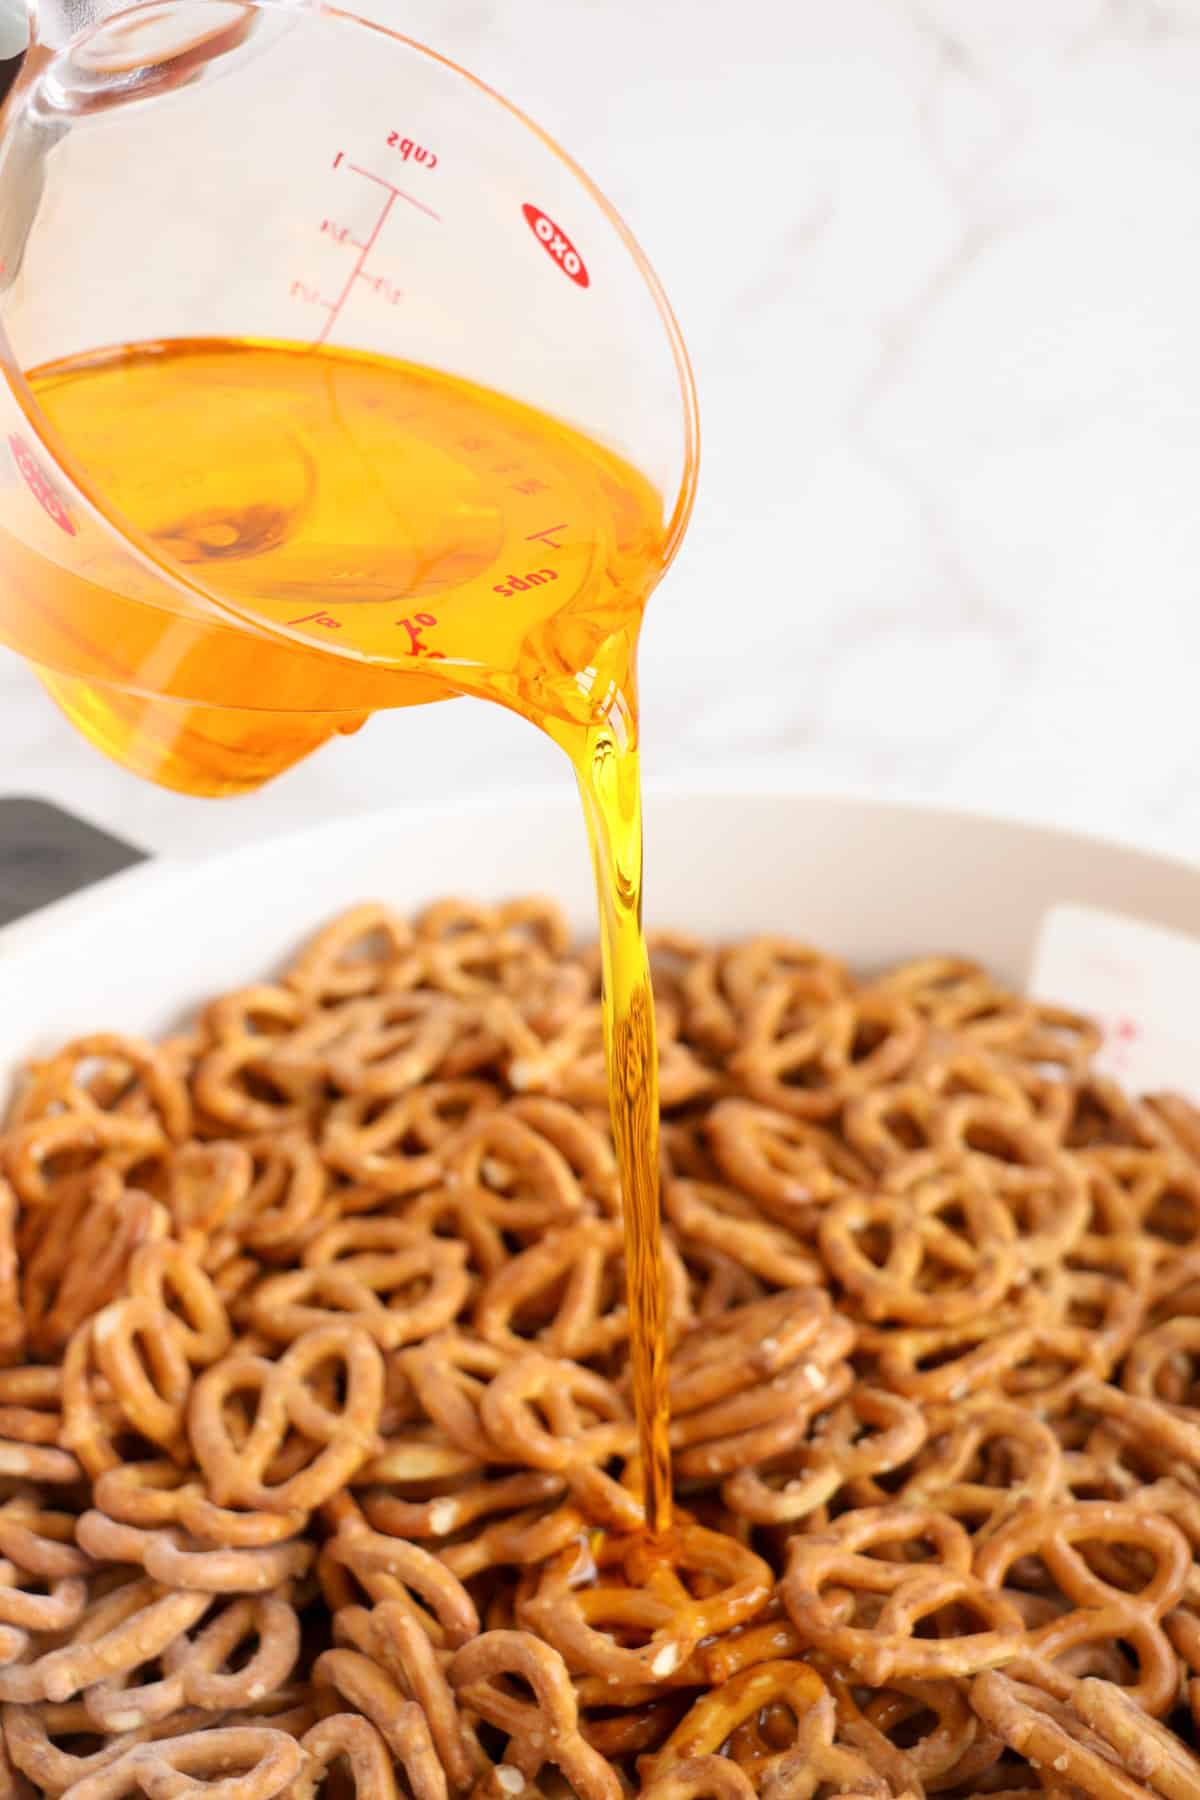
227, 1763
398, 1284
1058, 1736
856, 1592
592, 1604
346, 1738
195, 1671
574, 1280
812, 1065
129, 1626
951, 1251
544, 1731
401, 1724
342, 1433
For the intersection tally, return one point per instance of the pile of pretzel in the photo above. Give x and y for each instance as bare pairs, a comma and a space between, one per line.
317, 1459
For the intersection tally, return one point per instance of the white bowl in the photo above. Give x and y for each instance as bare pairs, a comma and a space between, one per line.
873, 881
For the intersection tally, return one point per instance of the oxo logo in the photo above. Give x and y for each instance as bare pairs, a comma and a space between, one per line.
38, 485
556, 244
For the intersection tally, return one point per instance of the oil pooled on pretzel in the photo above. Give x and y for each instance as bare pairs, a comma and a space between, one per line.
413, 536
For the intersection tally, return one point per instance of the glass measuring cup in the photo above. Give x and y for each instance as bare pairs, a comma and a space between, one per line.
248, 177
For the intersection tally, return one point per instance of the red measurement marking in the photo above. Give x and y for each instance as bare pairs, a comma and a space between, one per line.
546, 536
339, 233
318, 618
39, 485
392, 189
300, 290
387, 289
516, 584
416, 644
337, 305
531, 486
556, 244
382, 286
407, 148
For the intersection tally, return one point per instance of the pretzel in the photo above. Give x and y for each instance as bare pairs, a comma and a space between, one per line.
798, 1757
531, 922
950, 1251
726, 989
178, 1562
700, 1778
83, 1145
572, 1284
195, 1672
38, 1540
243, 1084
571, 1064
1145, 1748
139, 1356
400, 1723
716, 1219
80, 1258
589, 1603
789, 1166
1084, 1642
944, 1742
399, 1285
745, 1389
388, 1042
397, 1144
938, 1364
108, 1072
812, 1067
129, 1626
400, 1571
537, 1733
1057, 1736
527, 1537
504, 1155
354, 1740
997, 1460
359, 951
156, 1493
1099, 1315
1051, 1533
784, 1489
559, 1416
855, 1560
238, 1474
393, 1638
39, 1741
228, 1763
584, 1143
13, 1325
449, 1374
1000, 1144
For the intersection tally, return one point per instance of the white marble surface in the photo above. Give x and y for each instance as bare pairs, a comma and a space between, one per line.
938, 263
